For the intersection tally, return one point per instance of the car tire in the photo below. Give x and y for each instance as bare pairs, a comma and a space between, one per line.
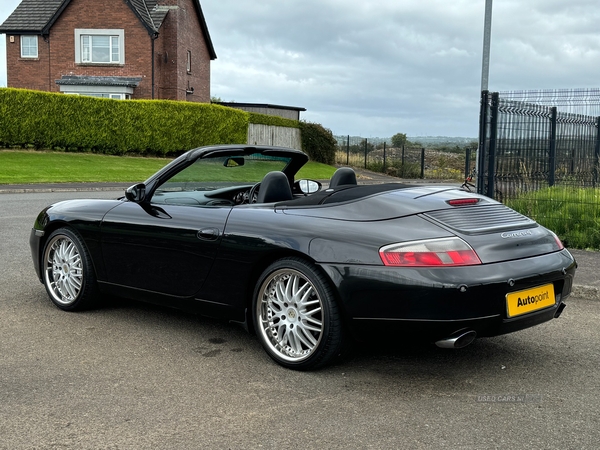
67, 271
296, 316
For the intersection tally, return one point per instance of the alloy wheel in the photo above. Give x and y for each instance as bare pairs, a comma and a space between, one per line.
290, 315
63, 270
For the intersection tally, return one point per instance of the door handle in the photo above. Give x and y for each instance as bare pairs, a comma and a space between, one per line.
209, 234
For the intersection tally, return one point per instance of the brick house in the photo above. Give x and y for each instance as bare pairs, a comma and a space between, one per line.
139, 49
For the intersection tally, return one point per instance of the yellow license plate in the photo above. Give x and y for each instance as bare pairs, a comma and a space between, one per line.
522, 302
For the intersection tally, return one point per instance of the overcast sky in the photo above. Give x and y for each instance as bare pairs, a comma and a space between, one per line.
377, 67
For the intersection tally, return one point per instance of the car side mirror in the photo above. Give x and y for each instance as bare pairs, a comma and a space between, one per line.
136, 193
235, 161
309, 186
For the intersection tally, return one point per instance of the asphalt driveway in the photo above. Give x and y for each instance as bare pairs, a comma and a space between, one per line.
131, 375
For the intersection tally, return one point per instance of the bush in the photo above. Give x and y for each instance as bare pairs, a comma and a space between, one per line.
318, 142
264, 119
78, 123
44, 120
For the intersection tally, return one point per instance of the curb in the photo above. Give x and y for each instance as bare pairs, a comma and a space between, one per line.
585, 292
58, 187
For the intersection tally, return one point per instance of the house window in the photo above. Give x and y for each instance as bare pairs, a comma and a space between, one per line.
85, 93
99, 46
99, 49
105, 95
29, 46
189, 62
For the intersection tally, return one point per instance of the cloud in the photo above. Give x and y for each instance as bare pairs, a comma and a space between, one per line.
381, 67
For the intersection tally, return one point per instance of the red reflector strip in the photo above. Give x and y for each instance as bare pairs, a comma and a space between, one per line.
463, 201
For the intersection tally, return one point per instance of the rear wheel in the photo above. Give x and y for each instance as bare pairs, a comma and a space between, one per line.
296, 317
68, 274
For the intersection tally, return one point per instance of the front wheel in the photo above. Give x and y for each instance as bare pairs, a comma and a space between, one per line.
68, 274
295, 315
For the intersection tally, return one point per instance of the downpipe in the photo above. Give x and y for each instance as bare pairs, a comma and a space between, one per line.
458, 339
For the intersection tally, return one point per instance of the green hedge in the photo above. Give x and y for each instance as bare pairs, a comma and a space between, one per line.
78, 123
45, 120
264, 119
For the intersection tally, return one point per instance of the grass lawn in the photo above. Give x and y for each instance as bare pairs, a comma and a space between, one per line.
27, 167
572, 213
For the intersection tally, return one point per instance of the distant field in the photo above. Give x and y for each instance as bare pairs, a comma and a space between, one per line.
31, 167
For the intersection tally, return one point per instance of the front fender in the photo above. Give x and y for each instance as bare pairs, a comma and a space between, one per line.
84, 216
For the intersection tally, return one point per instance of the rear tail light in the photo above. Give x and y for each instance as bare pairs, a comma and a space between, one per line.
443, 252
558, 241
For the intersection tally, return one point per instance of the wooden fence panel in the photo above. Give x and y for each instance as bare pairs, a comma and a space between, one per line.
271, 135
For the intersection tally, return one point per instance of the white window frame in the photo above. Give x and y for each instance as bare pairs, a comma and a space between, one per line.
29, 37
105, 95
118, 33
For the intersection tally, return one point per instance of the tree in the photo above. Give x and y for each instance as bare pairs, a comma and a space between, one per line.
398, 140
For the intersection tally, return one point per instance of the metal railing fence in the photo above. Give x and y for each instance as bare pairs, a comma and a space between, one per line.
407, 161
528, 147
543, 159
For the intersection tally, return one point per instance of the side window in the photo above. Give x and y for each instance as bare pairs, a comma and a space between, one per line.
188, 187
29, 46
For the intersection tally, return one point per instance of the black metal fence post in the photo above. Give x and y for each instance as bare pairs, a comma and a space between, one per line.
366, 143
467, 162
383, 157
552, 154
348, 150
422, 163
402, 161
596, 153
481, 155
492, 148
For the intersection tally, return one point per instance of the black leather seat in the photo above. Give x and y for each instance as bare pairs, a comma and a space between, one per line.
274, 187
342, 176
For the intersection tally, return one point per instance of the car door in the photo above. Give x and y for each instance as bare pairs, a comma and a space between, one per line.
162, 248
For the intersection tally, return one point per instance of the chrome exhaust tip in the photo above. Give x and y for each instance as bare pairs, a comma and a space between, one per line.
559, 310
459, 339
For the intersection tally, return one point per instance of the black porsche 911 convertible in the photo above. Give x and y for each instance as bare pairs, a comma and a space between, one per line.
228, 232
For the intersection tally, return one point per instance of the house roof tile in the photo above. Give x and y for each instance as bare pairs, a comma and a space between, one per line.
31, 16
142, 8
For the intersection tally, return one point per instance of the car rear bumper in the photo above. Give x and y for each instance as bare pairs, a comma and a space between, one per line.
433, 303
428, 330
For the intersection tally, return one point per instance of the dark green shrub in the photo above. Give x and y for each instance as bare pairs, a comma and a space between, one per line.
318, 142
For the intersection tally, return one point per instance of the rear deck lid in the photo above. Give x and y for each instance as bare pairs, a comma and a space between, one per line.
497, 232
